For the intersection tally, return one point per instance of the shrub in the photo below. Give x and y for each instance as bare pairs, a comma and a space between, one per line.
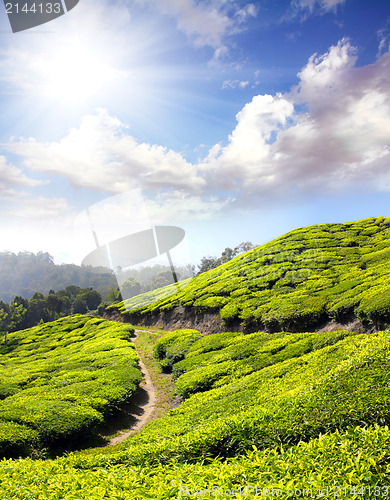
60, 380
172, 347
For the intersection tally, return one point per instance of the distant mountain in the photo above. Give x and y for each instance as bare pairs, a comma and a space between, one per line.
319, 277
24, 273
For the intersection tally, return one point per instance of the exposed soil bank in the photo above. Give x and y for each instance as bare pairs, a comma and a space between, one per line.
211, 322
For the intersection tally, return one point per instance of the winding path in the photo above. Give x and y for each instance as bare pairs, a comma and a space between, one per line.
144, 404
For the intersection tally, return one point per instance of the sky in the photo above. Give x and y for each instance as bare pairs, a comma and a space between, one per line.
234, 120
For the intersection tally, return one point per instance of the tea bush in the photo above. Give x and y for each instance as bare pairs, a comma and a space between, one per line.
297, 411
59, 380
351, 464
172, 347
294, 283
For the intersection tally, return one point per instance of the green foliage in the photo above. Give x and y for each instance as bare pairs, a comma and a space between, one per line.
24, 313
25, 273
314, 386
208, 263
351, 464
296, 282
59, 380
130, 288
314, 416
248, 353
173, 346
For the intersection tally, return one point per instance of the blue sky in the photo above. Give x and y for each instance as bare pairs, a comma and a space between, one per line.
236, 120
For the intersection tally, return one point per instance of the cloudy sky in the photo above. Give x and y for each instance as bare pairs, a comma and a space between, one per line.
235, 120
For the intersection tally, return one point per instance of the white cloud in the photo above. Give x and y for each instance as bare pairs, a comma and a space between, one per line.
233, 84
312, 5
40, 208
248, 11
11, 177
207, 23
326, 73
330, 133
100, 155
384, 39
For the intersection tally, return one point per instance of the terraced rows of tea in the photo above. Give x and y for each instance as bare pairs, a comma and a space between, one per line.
284, 413
289, 411
297, 282
60, 380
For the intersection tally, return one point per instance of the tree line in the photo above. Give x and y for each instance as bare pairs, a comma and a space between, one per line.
24, 273
24, 313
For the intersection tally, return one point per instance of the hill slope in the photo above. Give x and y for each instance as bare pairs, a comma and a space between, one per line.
303, 280
286, 410
24, 273
60, 380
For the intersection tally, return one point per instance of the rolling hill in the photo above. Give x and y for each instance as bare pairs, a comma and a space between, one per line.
59, 381
291, 406
304, 414
323, 276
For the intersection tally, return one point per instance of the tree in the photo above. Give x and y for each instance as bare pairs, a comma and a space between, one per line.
208, 263
92, 299
4, 314
18, 311
72, 291
114, 295
130, 288
37, 311
80, 305
162, 279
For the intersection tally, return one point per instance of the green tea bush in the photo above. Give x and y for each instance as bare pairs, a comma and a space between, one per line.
249, 353
294, 282
351, 464
314, 417
172, 347
59, 380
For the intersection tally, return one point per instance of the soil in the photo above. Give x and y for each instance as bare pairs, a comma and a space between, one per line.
139, 412
211, 322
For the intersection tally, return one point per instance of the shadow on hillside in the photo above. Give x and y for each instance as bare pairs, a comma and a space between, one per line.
124, 417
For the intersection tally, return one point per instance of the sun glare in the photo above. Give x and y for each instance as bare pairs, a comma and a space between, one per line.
75, 73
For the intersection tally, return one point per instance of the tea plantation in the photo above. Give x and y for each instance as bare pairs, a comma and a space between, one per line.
297, 414
277, 410
297, 282
59, 380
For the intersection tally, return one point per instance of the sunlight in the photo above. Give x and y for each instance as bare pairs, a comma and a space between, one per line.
75, 73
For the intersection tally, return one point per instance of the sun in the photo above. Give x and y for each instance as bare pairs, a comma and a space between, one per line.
75, 72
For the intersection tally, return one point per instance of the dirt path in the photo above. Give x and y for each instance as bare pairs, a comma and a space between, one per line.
143, 405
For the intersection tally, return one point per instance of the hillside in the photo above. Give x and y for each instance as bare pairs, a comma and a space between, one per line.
25, 273
59, 381
290, 411
323, 276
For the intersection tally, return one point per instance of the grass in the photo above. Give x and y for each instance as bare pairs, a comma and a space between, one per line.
163, 383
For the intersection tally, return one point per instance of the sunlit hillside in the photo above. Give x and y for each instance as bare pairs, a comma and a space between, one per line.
309, 278
59, 381
289, 411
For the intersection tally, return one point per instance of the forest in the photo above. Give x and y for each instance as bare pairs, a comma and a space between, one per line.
25, 273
